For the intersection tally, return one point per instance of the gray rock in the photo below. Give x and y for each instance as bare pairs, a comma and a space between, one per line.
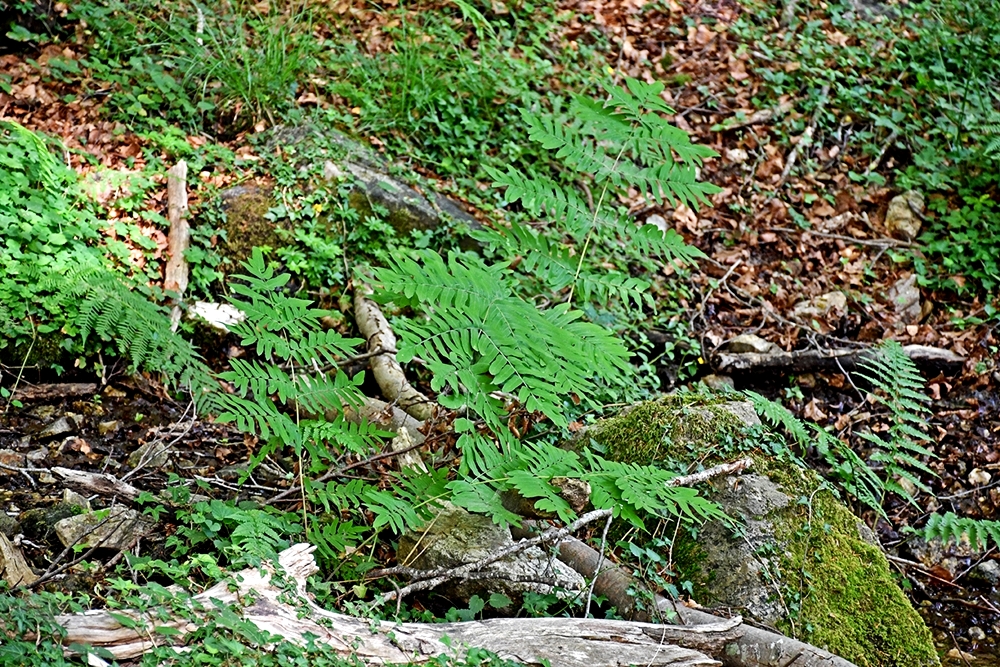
718, 382
114, 528
38, 523
9, 526
988, 570
903, 219
904, 295
975, 633
152, 455
820, 306
71, 497
37, 455
751, 343
742, 566
68, 423
456, 537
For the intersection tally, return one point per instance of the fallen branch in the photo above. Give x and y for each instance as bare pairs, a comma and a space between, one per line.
709, 473
807, 361
175, 275
428, 579
563, 642
753, 648
757, 117
92, 482
44, 392
387, 371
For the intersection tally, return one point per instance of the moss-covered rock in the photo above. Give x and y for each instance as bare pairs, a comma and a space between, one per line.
246, 225
801, 560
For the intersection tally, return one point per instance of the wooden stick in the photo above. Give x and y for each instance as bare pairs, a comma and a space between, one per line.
175, 276
806, 139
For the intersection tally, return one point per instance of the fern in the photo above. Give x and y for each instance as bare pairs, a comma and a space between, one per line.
949, 527
899, 385
853, 474
619, 144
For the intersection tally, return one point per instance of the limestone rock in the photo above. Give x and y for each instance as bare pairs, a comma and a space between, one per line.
904, 295
902, 220
68, 423
718, 382
456, 537
793, 546
751, 343
114, 528
825, 304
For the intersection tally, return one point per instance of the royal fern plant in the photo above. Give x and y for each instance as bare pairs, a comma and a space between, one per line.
489, 347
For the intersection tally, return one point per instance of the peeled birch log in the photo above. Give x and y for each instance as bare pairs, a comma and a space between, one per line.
382, 346
563, 642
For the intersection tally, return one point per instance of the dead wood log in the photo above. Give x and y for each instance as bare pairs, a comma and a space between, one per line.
808, 361
175, 275
753, 648
382, 345
92, 482
563, 642
45, 392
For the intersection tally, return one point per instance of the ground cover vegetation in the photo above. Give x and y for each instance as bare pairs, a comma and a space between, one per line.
552, 123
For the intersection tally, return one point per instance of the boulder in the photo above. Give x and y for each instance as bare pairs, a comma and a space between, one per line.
456, 537
799, 560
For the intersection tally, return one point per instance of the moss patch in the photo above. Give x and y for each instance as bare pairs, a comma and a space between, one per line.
676, 428
246, 225
848, 600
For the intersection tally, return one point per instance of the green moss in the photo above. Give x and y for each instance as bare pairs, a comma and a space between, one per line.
836, 585
848, 600
247, 227
675, 428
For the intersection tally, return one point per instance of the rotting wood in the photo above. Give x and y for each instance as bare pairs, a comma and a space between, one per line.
806, 361
382, 344
92, 482
563, 642
175, 275
45, 392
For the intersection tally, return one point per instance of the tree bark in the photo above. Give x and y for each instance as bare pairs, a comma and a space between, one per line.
805, 361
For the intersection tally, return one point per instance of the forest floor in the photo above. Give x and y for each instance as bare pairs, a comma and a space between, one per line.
777, 244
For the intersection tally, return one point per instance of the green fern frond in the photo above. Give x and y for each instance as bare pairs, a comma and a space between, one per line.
949, 527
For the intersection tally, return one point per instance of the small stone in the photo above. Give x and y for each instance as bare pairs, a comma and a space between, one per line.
807, 380
108, 427
821, 305
332, 171
909, 487
37, 456
956, 654
979, 477
10, 459
902, 220
718, 382
660, 222
71, 497
68, 423
751, 343
9, 526
904, 295
975, 633
153, 454
114, 528
988, 570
